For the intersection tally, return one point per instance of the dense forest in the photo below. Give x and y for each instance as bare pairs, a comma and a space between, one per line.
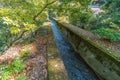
20, 19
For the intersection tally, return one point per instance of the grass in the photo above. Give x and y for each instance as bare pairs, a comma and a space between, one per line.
15, 67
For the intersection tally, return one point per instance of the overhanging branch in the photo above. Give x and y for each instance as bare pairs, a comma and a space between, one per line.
46, 5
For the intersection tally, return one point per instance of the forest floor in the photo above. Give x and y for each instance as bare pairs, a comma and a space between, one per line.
35, 64
43, 61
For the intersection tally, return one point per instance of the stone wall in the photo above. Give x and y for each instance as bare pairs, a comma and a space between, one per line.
98, 58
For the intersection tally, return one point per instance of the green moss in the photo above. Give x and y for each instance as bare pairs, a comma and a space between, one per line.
92, 44
54, 72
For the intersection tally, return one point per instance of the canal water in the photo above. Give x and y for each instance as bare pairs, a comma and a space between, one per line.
75, 66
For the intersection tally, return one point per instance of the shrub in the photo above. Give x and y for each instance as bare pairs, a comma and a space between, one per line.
10, 69
107, 33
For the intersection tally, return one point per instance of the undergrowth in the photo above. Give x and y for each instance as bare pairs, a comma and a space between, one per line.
14, 68
107, 33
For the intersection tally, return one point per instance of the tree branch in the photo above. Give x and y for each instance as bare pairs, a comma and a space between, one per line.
46, 5
16, 39
52, 2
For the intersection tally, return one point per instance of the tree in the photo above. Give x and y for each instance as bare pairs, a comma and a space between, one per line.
111, 14
108, 22
20, 17
76, 12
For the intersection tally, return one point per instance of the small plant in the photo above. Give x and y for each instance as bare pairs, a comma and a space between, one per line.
22, 78
17, 65
107, 33
10, 69
5, 75
24, 54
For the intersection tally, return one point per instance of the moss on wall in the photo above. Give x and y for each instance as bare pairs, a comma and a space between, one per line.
104, 62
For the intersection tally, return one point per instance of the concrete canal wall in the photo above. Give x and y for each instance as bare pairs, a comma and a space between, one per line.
97, 57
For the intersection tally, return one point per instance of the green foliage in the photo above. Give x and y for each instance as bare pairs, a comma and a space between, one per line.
107, 33
76, 12
108, 22
82, 2
5, 75
16, 20
22, 78
111, 14
20, 17
24, 54
4, 35
18, 65
10, 32
13, 68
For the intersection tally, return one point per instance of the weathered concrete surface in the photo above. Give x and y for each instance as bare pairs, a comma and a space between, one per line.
56, 69
75, 66
97, 57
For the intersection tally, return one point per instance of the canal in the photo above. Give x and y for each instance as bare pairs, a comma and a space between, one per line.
75, 66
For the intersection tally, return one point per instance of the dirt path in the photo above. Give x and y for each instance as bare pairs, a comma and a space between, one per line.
37, 64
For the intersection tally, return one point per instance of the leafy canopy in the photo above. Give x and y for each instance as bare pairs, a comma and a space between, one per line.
20, 18
108, 22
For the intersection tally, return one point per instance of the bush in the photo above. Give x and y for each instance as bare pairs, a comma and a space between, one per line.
107, 33
10, 69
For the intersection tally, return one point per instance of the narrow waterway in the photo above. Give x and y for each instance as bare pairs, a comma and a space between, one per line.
75, 66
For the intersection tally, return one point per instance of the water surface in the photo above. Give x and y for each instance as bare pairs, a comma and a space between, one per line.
76, 68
